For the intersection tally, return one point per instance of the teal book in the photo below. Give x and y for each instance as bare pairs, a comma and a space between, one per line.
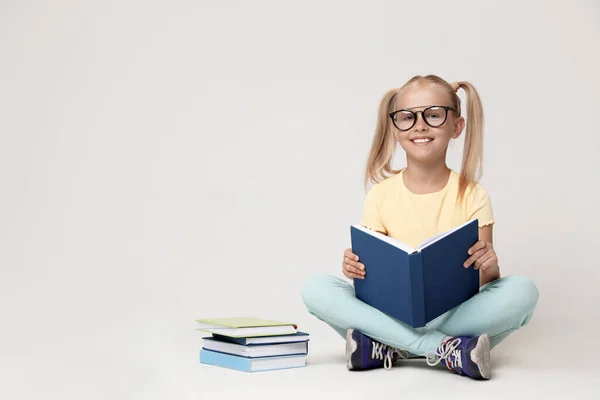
254, 350
293, 338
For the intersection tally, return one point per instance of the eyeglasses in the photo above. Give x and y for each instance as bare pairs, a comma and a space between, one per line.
434, 116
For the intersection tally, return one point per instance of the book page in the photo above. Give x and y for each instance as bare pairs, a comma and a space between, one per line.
439, 236
432, 239
387, 239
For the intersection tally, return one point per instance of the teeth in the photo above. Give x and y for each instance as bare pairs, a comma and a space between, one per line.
422, 140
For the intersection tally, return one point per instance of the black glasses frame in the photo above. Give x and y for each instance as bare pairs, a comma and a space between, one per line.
415, 116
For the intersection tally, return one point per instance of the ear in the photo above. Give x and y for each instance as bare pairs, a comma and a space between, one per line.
459, 126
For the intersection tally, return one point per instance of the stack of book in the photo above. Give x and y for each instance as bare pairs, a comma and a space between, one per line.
252, 344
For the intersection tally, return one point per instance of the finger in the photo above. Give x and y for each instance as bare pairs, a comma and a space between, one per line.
350, 255
474, 258
354, 263
354, 270
353, 275
484, 258
480, 245
477, 246
489, 262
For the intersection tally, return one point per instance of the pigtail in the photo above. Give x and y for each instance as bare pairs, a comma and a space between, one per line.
379, 164
473, 147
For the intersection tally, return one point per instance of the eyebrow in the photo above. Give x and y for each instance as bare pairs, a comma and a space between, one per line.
412, 108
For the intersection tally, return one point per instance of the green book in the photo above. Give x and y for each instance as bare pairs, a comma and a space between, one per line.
246, 327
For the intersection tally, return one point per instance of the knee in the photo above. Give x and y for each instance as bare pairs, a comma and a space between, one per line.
524, 293
315, 289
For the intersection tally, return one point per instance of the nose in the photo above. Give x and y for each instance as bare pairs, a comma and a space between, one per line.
420, 122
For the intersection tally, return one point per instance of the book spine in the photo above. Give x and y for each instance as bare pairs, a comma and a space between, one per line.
417, 293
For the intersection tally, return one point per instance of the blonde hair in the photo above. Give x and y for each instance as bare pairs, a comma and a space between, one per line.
379, 163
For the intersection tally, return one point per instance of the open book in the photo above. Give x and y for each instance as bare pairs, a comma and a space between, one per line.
416, 285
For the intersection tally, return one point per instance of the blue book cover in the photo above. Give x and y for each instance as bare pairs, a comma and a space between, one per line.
246, 364
262, 340
417, 285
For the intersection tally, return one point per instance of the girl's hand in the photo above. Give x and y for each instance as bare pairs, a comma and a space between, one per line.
351, 267
483, 255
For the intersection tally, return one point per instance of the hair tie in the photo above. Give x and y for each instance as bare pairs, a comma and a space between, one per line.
455, 86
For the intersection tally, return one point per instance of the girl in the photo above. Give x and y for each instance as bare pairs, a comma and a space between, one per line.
412, 205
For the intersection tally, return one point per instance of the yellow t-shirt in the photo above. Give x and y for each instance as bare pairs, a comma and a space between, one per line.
391, 208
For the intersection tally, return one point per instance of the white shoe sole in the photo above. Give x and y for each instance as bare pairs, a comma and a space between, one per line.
481, 356
351, 347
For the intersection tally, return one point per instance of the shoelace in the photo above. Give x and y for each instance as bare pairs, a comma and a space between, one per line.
444, 352
377, 353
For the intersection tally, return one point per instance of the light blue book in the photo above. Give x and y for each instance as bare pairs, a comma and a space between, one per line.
252, 364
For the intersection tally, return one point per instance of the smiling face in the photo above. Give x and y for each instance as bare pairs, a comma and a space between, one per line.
424, 143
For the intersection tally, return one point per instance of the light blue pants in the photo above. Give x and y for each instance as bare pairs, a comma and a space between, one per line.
501, 307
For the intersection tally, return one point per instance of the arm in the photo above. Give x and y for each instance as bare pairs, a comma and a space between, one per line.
484, 257
493, 272
482, 254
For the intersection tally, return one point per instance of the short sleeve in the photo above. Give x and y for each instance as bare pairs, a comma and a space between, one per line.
480, 206
371, 217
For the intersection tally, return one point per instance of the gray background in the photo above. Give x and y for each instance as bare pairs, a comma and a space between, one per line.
167, 161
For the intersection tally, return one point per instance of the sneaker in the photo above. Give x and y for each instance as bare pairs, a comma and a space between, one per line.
464, 355
362, 352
